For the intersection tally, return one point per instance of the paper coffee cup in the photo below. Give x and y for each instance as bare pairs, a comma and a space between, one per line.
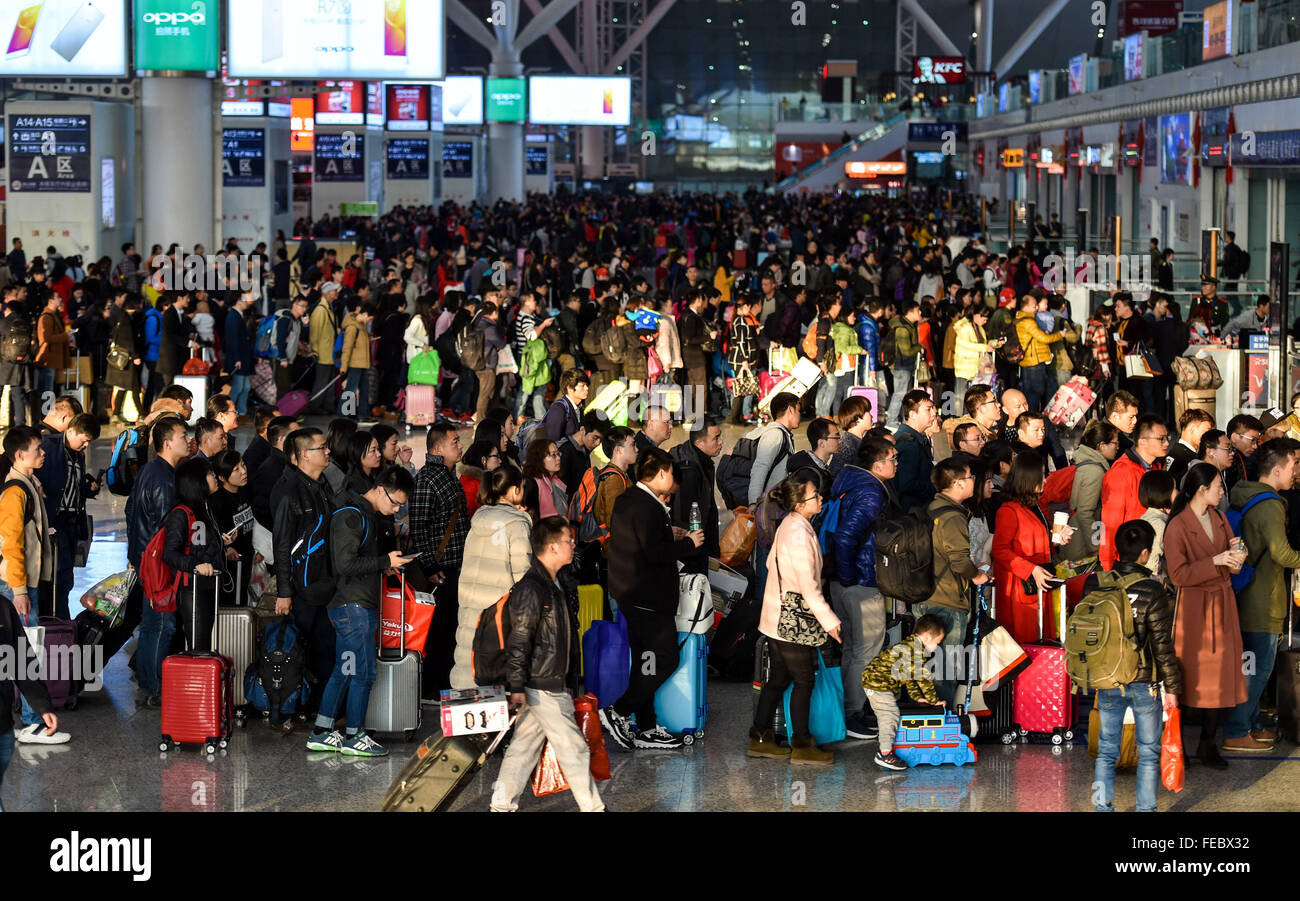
1059, 520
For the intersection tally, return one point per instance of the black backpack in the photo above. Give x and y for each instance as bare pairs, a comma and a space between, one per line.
17, 344
734, 470
487, 657
311, 569
281, 664
905, 557
888, 345
469, 347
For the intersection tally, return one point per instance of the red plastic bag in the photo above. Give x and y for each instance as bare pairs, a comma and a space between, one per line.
1171, 752
548, 778
419, 616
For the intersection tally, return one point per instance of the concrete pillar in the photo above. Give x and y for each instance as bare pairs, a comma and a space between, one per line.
178, 163
984, 35
505, 145
592, 149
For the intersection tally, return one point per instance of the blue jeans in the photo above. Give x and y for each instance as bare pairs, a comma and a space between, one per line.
44, 384
951, 656
355, 668
156, 631
31, 619
356, 388
826, 394
1245, 718
1033, 381
239, 393
902, 385
1145, 701
538, 398
6, 753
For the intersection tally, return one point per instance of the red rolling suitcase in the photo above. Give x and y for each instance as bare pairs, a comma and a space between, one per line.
1041, 700
198, 696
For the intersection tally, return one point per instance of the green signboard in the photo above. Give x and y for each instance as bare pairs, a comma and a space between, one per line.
505, 100
360, 208
176, 35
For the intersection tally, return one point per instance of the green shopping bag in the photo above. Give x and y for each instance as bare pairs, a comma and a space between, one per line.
424, 368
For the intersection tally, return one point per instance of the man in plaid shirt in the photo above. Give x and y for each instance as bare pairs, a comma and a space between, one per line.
439, 524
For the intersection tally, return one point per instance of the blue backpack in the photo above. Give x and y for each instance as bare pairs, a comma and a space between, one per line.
125, 462
1247, 575
827, 522
265, 344
311, 570
280, 671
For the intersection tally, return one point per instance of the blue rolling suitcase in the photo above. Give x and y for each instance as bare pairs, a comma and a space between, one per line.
681, 704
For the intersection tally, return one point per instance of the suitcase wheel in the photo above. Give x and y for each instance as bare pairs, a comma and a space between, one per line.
1008, 738
1069, 735
688, 739
1057, 739
164, 745
210, 749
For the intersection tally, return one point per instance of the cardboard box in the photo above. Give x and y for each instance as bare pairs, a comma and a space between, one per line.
474, 711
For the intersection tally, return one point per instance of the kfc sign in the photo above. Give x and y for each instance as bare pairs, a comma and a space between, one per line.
938, 70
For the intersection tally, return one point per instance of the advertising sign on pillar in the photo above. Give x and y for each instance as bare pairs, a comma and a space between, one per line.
175, 36
1279, 311
1210, 252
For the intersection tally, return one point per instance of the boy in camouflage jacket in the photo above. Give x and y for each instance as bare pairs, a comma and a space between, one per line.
896, 668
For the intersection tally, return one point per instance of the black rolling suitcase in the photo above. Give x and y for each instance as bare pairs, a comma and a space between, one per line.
762, 666
439, 769
1287, 671
996, 724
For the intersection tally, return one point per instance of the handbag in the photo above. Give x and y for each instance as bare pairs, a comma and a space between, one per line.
797, 623
424, 368
506, 361
923, 374
826, 707
654, 368
782, 359
119, 358
419, 617
548, 778
1171, 752
743, 385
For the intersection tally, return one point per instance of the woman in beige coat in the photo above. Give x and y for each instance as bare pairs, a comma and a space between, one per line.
1207, 632
668, 345
794, 567
497, 554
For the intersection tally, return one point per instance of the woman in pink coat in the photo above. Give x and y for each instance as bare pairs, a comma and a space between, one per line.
794, 567
1207, 632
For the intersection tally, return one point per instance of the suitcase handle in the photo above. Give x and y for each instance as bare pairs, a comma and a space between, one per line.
401, 615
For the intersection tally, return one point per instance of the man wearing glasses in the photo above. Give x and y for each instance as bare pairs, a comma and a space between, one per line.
1119, 487
299, 500
439, 524
982, 409
824, 439
1216, 450
1243, 432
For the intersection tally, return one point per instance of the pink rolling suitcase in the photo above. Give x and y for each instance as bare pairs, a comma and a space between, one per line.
421, 405
1041, 700
1070, 403
872, 396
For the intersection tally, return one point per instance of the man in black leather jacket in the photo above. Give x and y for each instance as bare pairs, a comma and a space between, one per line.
299, 498
541, 652
150, 501
1153, 614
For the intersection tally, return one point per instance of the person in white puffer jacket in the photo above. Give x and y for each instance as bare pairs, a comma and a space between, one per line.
497, 554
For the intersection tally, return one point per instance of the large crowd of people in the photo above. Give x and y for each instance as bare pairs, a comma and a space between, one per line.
561, 325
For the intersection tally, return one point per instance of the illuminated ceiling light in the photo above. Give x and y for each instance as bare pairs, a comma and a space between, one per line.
710, 68
865, 22
708, 21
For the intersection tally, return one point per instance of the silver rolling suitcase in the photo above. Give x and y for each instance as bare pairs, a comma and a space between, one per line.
395, 696
237, 638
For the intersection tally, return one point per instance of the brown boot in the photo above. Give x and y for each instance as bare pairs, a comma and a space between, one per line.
804, 751
763, 744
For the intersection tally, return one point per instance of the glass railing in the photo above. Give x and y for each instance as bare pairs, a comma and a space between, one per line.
1263, 24
871, 134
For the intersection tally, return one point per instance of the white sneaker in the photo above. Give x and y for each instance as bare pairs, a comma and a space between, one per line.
35, 735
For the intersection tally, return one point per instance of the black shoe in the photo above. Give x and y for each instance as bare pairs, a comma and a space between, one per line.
1209, 755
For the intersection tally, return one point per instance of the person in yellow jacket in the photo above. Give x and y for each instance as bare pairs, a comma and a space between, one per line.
1037, 377
354, 361
322, 335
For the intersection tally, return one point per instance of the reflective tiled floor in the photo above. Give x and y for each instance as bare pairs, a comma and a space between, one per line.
113, 763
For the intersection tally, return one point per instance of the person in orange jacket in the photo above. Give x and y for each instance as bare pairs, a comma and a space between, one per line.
1119, 488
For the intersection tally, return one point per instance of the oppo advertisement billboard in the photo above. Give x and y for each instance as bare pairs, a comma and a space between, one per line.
176, 35
400, 40
575, 100
64, 38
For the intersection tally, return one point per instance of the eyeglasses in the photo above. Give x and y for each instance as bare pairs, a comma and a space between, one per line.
1227, 449
391, 499
1249, 439
809, 500
1162, 439
834, 437
553, 454
319, 447
893, 459
990, 403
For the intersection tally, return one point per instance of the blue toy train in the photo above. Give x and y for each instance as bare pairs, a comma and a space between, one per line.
934, 738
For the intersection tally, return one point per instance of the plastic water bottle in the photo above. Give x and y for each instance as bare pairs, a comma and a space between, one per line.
696, 520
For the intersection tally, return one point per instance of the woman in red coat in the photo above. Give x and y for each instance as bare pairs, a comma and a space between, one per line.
1022, 550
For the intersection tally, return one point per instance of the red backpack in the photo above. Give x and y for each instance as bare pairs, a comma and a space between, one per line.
159, 581
1058, 488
